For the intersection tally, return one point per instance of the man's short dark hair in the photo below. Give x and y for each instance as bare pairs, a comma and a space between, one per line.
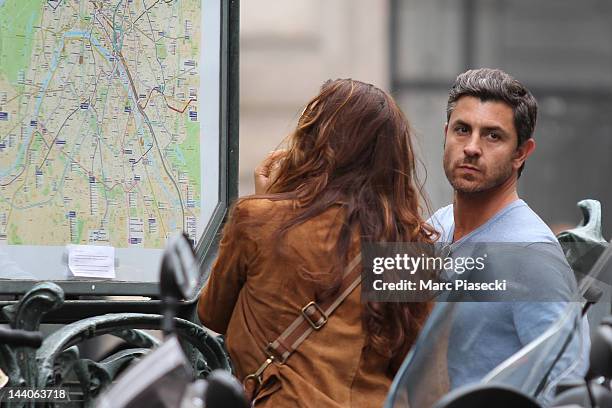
495, 85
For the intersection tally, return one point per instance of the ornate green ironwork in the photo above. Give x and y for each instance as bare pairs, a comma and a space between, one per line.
59, 356
136, 338
66, 360
27, 315
94, 377
211, 350
584, 244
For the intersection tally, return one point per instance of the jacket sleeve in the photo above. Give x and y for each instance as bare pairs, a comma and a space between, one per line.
228, 275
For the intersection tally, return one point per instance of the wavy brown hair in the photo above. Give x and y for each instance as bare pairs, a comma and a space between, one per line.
352, 146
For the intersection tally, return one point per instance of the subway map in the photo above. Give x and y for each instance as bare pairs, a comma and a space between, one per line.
99, 127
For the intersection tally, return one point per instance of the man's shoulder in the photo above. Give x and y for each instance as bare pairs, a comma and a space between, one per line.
521, 224
516, 223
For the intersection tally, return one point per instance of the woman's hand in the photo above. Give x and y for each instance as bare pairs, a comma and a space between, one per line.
266, 171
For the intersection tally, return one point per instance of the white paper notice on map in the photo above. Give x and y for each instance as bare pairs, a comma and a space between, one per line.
91, 261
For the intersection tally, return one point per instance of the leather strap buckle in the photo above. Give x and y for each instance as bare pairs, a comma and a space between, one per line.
309, 311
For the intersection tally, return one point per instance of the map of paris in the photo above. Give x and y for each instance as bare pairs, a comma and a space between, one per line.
99, 126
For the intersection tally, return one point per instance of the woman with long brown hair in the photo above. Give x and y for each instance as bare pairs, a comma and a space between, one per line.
347, 177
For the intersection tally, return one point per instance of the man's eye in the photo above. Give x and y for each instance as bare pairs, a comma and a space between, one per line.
461, 130
493, 136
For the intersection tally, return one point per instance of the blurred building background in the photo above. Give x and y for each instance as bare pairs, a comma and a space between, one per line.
560, 49
288, 49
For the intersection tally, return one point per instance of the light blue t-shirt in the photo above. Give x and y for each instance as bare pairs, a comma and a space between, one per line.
484, 334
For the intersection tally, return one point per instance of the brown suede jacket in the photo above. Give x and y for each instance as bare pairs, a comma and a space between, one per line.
256, 290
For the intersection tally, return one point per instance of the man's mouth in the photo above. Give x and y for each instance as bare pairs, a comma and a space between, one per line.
469, 168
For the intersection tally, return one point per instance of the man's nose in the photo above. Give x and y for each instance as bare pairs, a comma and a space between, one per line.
472, 147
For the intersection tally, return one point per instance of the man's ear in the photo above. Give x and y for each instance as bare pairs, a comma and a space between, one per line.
523, 152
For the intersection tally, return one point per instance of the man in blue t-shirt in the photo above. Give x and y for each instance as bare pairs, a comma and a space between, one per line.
488, 137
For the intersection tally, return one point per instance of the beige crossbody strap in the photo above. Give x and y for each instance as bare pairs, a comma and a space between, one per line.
312, 317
